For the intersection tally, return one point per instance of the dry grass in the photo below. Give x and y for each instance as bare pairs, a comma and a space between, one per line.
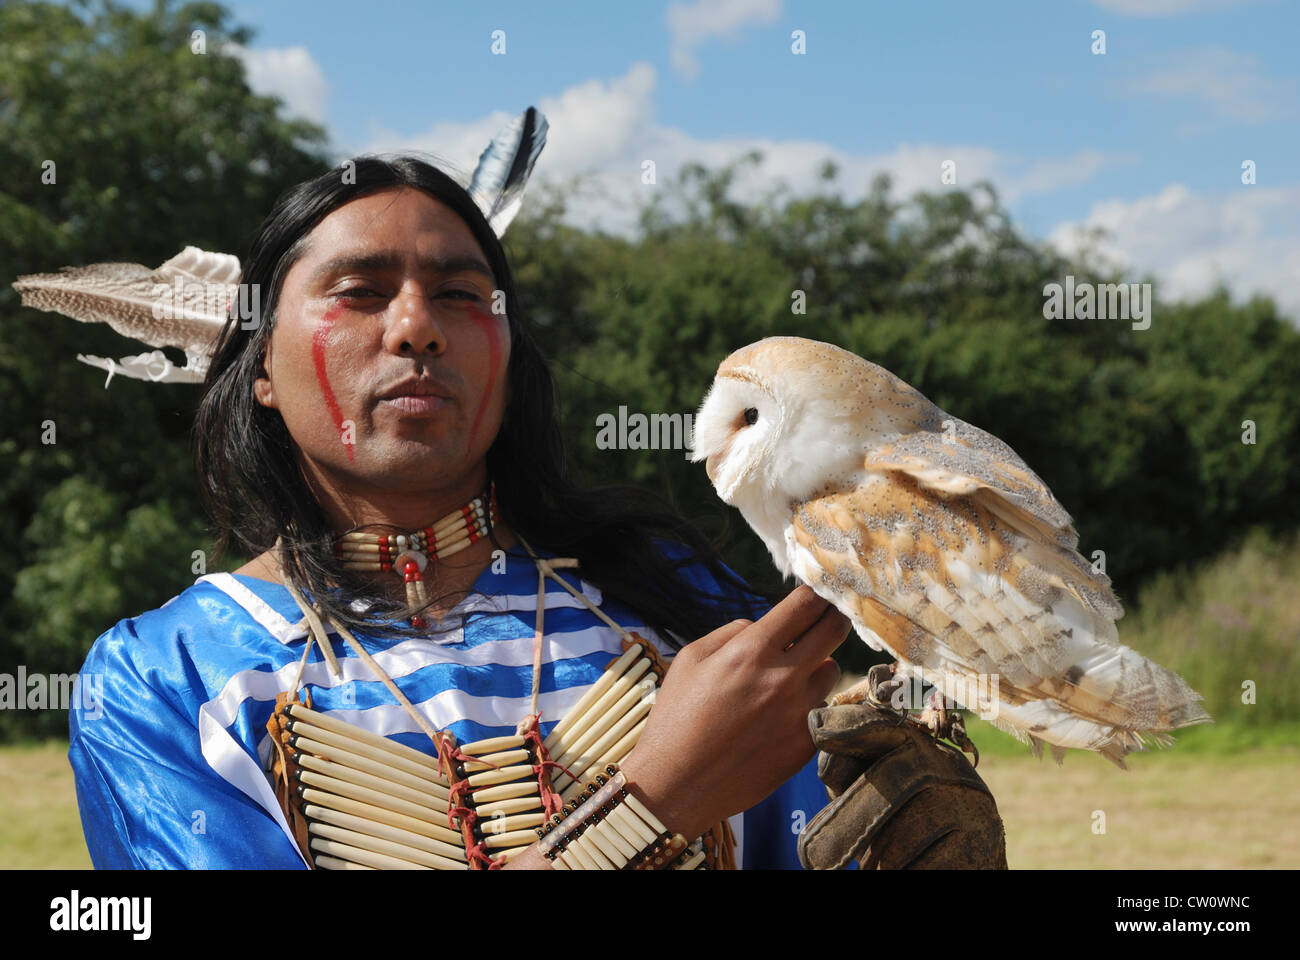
1167, 810
39, 824
1230, 622
1210, 806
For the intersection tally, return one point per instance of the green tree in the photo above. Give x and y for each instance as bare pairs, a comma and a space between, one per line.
117, 142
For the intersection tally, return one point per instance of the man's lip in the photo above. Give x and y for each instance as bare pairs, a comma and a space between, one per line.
421, 405
416, 388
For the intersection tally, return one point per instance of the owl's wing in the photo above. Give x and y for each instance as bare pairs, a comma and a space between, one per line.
956, 558
962, 459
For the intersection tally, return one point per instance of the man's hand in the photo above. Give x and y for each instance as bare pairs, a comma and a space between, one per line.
730, 721
899, 798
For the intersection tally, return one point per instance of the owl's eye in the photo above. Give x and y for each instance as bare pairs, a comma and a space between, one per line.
751, 416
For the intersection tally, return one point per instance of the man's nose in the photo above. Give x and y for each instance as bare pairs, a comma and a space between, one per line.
415, 328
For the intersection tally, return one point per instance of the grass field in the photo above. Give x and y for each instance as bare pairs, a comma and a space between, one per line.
39, 824
1170, 809
1179, 811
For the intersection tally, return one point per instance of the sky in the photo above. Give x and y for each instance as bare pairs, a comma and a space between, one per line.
1146, 140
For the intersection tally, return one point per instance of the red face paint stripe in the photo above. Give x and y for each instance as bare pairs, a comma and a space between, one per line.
318, 341
489, 324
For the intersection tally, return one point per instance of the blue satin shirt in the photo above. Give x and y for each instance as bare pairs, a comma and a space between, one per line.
171, 766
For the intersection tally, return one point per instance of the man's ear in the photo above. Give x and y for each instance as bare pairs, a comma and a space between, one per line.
263, 391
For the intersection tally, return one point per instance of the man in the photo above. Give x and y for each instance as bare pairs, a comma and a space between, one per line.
389, 381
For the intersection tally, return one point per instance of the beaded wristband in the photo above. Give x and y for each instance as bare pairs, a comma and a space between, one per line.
607, 828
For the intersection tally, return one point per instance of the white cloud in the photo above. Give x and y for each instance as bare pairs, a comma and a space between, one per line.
606, 130
694, 23
1247, 238
1053, 174
1228, 82
290, 73
592, 126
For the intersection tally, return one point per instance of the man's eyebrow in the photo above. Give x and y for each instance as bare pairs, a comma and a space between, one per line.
392, 260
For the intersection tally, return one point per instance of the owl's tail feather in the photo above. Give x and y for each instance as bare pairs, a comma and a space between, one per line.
1072, 645
1044, 721
1072, 685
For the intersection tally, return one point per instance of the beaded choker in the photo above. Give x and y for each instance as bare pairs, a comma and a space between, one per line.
407, 554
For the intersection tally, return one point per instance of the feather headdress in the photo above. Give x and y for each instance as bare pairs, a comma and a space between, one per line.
185, 302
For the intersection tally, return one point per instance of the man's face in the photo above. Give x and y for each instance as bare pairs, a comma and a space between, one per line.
386, 294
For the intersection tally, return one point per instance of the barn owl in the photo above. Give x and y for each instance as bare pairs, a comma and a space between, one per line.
938, 543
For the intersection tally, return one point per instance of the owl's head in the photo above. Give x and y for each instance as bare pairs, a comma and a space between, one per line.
787, 418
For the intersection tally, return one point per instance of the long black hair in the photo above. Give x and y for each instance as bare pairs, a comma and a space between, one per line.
253, 487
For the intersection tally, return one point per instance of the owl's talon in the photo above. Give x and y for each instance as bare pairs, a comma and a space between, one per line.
881, 686
877, 688
957, 735
944, 724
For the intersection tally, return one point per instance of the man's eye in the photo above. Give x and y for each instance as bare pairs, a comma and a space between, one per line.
465, 293
358, 293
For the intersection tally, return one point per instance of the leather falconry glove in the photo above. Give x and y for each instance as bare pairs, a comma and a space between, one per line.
899, 798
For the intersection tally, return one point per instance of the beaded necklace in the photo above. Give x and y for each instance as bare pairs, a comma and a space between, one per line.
408, 554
